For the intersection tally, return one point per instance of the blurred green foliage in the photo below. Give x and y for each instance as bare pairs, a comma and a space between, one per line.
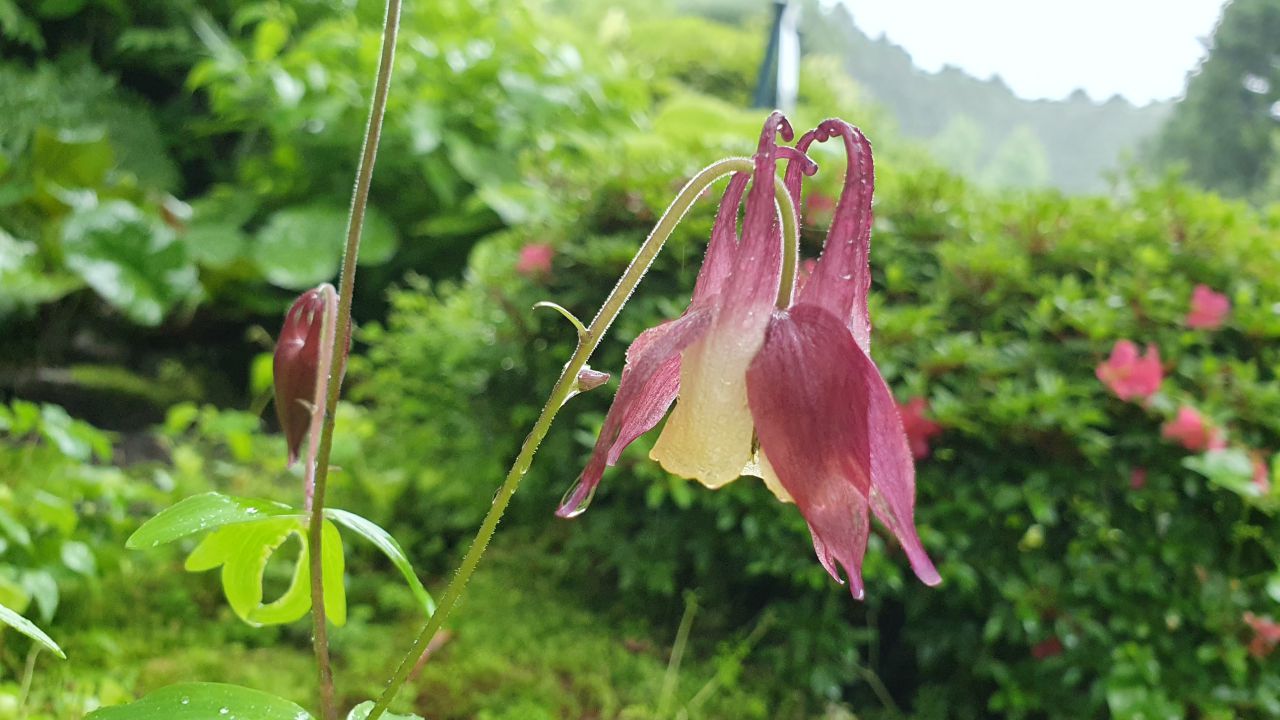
52, 526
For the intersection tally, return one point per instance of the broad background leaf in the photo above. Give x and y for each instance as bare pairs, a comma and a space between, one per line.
205, 701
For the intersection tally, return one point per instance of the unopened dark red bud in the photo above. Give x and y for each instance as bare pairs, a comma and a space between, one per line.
296, 367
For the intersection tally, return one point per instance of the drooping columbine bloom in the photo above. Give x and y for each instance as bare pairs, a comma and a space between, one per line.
301, 352
1130, 376
1208, 309
788, 394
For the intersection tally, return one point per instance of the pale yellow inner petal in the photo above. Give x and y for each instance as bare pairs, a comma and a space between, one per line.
708, 436
759, 467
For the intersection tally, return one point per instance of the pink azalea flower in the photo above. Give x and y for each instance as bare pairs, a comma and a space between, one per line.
1138, 478
1130, 376
919, 429
798, 379
535, 260
1208, 309
1190, 430
1266, 635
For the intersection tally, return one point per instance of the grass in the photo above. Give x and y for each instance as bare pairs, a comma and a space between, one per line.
521, 647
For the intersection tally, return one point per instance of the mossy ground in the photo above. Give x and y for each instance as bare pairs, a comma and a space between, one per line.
521, 647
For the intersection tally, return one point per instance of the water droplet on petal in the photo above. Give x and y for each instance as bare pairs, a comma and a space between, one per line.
576, 500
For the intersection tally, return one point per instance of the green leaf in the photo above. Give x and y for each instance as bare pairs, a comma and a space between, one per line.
1273, 586
202, 512
204, 701
71, 159
215, 245
383, 540
243, 551
77, 557
14, 529
333, 566
300, 247
24, 283
1231, 469
361, 711
28, 628
132, 261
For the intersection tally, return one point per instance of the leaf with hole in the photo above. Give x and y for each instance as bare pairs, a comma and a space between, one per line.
243, 551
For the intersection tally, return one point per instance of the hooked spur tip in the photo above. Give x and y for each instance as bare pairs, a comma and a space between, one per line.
778, 123
805, 163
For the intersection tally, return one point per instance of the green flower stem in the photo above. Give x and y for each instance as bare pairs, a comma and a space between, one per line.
587, 343
790, 249
342, 344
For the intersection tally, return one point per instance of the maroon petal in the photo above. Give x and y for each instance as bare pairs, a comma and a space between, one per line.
649, 383
809, 401
757, 268
831, 431
842, 276
723, 247
893, 472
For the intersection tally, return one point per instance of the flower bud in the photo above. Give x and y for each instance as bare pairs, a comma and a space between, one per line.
301, 352
589, 379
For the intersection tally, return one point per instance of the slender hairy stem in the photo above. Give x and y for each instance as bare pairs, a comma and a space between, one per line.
28, 672
672, 676
790, 249
587, 343
346, 289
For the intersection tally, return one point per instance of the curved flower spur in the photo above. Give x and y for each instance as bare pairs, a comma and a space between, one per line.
756, 364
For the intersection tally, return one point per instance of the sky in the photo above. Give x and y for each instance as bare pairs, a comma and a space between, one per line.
1140, 49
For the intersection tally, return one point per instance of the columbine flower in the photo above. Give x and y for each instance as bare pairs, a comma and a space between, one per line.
919, 428
1208, 309
790, 395
1190, 430
535, 260
1130, 376
300, 352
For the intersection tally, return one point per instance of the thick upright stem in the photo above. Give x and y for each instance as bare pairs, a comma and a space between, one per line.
587, 343
346, 290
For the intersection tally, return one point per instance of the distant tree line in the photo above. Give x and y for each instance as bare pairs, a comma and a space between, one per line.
1225, 131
